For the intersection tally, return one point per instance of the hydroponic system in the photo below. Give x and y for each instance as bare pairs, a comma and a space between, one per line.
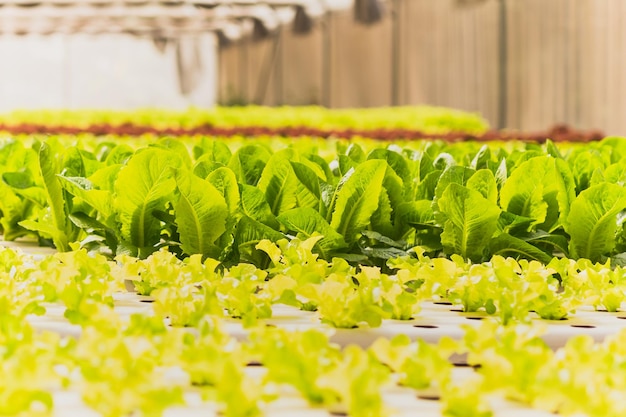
248, 261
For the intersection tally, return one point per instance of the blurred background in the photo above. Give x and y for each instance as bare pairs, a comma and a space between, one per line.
524, 64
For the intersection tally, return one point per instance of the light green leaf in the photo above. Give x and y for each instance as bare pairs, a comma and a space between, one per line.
86, 222
616, 173
224, 180
308, 192
248, 163
482, 158
542, 189
381, 220
358, 199
249, 233
45, 228
416, 213
14, 209
552, 150
119, 155
212, 150
55, 197
23, 185
451, 175
330, 194
100, 200
255, 206
425, 190
201, 214
397, 162
592, 220
204, 167
279, 184
484, 182
104, 178
73, 165
506, 245
322, 169
584, 162
470, 221
175, 145
307, 222
144, 185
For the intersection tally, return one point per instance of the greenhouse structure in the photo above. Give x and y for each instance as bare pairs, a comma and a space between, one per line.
357, 208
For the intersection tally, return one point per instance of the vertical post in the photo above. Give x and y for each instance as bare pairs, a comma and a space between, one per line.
503, 67
396, 33
327, 59
244, 71
266, 70
279, 68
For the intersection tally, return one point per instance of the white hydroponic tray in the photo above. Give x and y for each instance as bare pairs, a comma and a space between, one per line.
434, 321
401, 402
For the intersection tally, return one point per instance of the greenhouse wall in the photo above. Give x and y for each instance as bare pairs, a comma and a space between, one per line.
522, 63
106, 71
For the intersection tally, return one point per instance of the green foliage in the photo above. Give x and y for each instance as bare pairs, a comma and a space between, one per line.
138, 364
368, 201
357, 200
469, 220
144, 186
592, 221
201, 214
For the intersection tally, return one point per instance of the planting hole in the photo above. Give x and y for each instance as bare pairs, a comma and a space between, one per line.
254, 364
621, 317
269, 325
429, 397
466, 365
338, 413
583, 326
426, 326
147, 301
443, 303
456, 310
475, 318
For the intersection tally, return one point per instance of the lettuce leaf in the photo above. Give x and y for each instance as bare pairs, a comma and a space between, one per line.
142, 187
592, 221
279, 184
201, 214
470, 221
248, 163
542, 189
307, 222
59, 227
358, 199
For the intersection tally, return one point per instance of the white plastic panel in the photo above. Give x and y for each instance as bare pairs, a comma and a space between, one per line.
434, 321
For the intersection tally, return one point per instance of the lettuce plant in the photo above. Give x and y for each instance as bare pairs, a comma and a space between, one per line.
418, 364
124, 374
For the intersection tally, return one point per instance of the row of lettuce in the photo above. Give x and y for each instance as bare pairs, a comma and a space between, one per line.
370, 203
139, 365
344, 296
422, 118
185, 292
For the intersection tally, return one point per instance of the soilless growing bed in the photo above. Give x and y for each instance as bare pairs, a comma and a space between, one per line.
343, 275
